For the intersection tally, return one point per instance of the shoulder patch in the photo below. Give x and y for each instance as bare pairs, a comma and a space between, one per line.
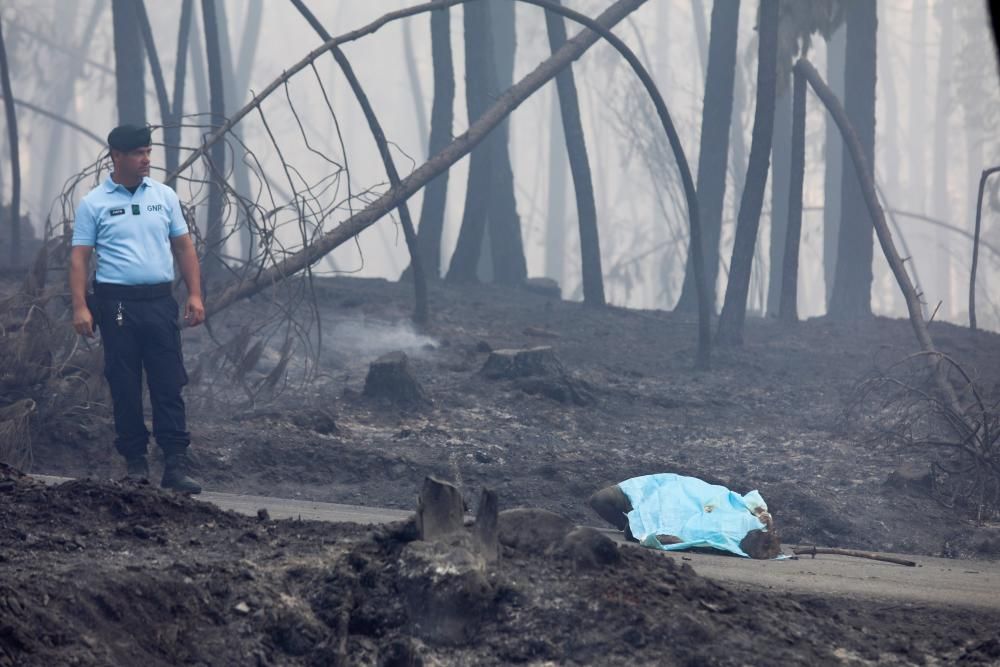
117, 211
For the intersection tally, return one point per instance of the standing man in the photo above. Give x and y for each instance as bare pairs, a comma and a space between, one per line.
137, 227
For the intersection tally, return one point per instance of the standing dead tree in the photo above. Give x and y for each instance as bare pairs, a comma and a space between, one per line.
292, 232
481, 87
788, 309
15, 162
734, 308
507, 102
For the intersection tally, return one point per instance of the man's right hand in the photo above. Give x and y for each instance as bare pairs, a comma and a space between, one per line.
83, 322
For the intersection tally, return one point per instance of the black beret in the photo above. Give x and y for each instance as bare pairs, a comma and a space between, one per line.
129, 137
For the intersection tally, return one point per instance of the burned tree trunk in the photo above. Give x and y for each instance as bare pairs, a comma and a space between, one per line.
716, 116
503, 221
781, 169
442, 114
555, 219
734, 309
216, 85
788, 311
14, 211
576, 148
130, 85
833, 159
480, 88
852, 283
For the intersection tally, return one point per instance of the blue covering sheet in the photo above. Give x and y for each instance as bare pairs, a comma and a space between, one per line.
699, 513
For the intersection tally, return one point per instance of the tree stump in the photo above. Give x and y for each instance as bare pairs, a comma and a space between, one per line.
537, 371
440, 510
444, 586
532, 531
486, 530
443, 578
545, 286
512, 364
390, 377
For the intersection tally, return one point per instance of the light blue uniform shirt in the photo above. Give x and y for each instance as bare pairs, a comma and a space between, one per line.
131, 232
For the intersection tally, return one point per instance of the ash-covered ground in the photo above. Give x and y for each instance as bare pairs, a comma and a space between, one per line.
109, 573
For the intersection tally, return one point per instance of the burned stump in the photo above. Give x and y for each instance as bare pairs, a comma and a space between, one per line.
537, 371
444, 574
513, 364
389, 377
440, 510
547, 287
543, 533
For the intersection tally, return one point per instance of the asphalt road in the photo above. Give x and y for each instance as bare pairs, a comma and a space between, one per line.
935, 582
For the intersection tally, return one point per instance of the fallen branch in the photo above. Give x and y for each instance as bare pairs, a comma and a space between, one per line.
812, 551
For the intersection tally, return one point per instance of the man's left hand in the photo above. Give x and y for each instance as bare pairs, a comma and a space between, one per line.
194, 311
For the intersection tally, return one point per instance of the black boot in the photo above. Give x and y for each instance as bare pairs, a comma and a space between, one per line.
137, 469
175, 475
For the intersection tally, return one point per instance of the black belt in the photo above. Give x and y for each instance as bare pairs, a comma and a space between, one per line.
132, 292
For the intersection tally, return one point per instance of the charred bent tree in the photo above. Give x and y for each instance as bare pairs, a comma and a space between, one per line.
788, 311
734, 309
866, 180
716, 116
419, 281
576, 148
15, 162
462, 145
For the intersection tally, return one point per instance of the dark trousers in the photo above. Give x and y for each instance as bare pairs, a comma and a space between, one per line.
142, 334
